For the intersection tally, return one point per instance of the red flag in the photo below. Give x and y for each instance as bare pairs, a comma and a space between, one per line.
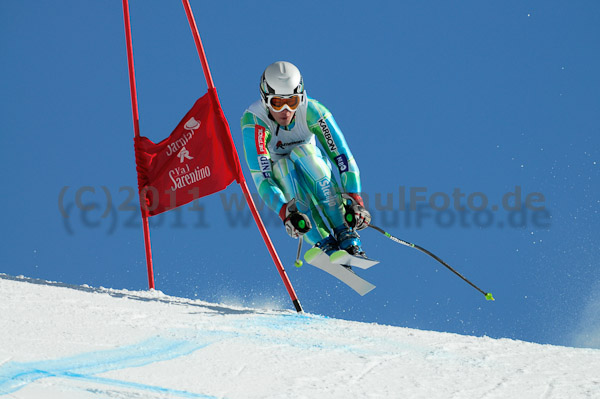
196, 160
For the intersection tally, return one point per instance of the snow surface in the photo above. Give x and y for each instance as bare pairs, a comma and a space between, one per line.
60, 341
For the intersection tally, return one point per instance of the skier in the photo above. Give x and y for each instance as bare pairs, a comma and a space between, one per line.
293, 176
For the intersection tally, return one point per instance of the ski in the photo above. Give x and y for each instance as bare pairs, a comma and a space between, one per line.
320, 260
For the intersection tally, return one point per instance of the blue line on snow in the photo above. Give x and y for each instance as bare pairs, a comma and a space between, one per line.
134, 385
16, 375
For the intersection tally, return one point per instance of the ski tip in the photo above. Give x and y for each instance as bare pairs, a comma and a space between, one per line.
489, 297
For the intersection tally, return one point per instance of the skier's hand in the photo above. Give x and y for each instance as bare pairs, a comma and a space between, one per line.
357, 215
296, 223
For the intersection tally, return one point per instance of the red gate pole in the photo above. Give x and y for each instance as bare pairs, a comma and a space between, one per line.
270, 246
199, 46
136, 129
241, 179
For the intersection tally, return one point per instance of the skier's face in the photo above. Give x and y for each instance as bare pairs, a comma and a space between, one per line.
283, 117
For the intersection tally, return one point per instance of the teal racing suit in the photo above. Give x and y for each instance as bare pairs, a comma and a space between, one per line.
285, 163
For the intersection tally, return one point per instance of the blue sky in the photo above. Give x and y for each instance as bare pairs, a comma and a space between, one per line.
433, 97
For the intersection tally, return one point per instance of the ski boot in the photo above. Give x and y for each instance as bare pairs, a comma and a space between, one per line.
349, 240
328, 245
350, 247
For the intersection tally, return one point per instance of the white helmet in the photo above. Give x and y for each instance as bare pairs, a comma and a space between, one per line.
281, 78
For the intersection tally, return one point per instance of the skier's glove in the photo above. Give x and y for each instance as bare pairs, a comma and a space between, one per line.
356, 214
296, 223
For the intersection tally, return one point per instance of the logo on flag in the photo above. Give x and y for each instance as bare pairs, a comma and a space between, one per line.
192, 124
184, 154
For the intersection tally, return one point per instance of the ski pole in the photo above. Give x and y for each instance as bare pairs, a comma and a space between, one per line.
298, 262
488, 295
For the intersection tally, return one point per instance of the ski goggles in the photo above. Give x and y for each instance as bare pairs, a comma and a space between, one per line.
278, 103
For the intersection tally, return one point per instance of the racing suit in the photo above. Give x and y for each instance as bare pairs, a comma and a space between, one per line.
286, 163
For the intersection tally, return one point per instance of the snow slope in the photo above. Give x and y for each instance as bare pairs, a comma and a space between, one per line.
60, 341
